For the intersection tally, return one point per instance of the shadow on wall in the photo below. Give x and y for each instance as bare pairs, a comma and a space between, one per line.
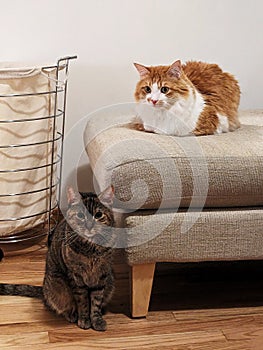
93, 87
85, 182
85, 178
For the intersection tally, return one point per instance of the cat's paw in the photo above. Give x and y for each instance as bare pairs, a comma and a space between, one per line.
84, 323
99, 324
71, 316
138, 127
136, 124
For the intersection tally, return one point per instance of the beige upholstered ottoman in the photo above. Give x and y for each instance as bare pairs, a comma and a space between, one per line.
181, 199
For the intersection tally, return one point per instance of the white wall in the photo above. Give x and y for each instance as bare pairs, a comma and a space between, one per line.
109, 35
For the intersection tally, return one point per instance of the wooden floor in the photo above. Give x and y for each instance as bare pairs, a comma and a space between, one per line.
206, 306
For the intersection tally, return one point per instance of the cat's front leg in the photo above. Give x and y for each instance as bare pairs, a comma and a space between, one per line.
81, 296
96, 302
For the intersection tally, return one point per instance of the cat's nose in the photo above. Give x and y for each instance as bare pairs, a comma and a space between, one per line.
89, 225
154, 102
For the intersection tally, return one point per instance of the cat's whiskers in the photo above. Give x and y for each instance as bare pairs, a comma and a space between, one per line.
69, 239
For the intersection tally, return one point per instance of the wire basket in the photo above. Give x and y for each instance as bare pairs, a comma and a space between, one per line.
32, 123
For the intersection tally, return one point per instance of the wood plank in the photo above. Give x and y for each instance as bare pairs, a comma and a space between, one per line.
197, 315
163, 341
39, 326
19, 339
22, 309
221, 345
138, 327
246, 332
126, 346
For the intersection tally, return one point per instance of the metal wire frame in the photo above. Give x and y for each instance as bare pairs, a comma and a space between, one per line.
54, 187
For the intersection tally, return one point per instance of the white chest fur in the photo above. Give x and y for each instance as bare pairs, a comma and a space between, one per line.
179, 120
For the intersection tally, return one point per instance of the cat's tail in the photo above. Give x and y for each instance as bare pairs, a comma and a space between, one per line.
23, 290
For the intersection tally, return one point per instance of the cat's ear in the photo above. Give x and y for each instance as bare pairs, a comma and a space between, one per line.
175, 69
73, 197
143, 71
106, 197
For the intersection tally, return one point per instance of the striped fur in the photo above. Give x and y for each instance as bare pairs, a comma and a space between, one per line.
23, 290
78, 279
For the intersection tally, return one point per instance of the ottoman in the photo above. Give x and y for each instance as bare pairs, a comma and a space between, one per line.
179, 199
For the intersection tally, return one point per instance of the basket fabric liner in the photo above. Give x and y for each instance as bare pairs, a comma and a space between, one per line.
20, 80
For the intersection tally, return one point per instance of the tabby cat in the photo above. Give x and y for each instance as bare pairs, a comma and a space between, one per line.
192, 99
78, 279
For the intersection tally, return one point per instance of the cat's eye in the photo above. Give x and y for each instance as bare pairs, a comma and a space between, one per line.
81, 216
98, 215
147, 89
164, 90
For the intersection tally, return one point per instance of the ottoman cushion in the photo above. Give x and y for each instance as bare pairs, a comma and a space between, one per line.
208, 235
152, 171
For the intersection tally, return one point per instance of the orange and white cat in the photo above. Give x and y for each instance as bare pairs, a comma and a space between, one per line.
192, 99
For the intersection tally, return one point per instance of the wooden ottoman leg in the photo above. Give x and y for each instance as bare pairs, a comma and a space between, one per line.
141, 287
